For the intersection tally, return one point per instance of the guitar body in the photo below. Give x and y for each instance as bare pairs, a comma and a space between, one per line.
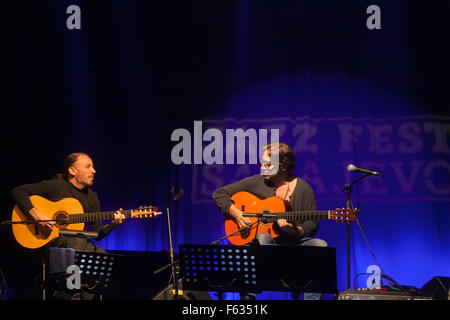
249, 203
27, 235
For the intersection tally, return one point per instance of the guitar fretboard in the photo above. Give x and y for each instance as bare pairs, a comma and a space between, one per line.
307, 215
96, 216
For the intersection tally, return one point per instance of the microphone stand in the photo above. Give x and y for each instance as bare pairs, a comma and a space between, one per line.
348, 190
10, 222
237, 231
172, 198
173, 263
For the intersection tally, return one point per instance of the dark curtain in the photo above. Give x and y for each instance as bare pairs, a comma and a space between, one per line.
338, 92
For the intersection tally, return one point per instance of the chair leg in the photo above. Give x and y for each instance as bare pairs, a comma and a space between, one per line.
43, 279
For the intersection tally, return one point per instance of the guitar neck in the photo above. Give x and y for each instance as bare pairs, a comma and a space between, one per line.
96, 216
306, 215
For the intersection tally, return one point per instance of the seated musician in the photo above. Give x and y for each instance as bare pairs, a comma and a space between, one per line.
78, 176
74, 182
283, 184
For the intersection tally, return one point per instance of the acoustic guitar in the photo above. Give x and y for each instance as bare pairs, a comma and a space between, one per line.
274, 208
68, 214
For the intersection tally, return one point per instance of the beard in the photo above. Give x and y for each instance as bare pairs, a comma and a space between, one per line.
269, 173
86, 182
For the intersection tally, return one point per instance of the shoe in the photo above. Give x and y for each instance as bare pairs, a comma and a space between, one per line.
248, 296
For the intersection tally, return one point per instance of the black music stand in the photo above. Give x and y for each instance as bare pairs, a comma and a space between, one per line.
218, 268
225, 268
99, 272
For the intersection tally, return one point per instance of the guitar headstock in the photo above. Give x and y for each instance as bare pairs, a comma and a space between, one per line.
343, 215
146, 212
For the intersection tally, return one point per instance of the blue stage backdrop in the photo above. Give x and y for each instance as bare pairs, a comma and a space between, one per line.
337, 91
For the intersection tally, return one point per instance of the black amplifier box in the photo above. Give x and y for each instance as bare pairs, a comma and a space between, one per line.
378, 295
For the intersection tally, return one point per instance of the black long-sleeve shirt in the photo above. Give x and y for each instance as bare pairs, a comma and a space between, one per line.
302, 199
55, 190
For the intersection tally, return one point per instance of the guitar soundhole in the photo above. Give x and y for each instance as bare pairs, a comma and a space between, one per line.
61, 218
265, 221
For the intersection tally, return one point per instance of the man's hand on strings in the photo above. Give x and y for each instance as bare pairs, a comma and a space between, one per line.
238, 218
119, 217
44, 228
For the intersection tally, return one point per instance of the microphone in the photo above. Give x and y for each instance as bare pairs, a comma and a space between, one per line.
352, 168
79, 234
173, 196
178, 195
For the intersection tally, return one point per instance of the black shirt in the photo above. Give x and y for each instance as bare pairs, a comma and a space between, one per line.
302, 199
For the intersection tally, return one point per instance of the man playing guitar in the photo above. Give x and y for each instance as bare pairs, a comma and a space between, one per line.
296, 193
75, 182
